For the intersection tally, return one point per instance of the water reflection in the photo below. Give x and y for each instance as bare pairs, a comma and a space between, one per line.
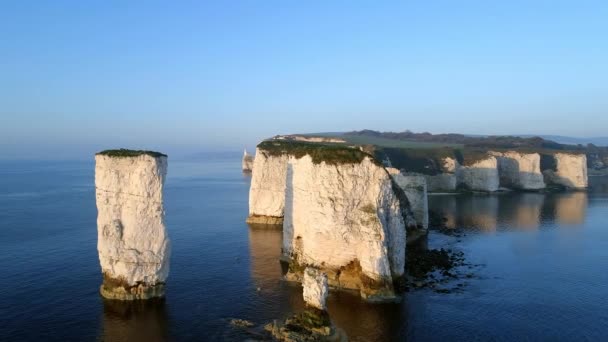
369, 322
135, 321
510, 211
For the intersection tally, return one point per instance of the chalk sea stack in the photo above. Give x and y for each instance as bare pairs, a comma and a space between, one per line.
341, 212
132, 240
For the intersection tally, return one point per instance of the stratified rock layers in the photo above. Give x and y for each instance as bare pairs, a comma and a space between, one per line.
133, 243
570, 171
520, 170
346, 220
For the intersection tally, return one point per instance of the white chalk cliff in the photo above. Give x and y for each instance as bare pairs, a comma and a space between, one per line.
133, 243
520, 170
446, 181
315, 288
481, 175
570, 171
346, 220
267, 191
414, 187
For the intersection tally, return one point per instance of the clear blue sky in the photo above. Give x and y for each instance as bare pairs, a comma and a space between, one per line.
76, 76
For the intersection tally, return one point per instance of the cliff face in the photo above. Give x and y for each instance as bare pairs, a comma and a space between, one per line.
570, 171
480, 176
414, 187
444, 182
520, 170
132, 242
345, 220
267, 192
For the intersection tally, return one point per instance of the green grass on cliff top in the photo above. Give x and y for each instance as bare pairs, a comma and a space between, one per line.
330, 153
129, 153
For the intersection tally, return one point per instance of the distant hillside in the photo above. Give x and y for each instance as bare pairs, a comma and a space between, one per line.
472, 146
598, 141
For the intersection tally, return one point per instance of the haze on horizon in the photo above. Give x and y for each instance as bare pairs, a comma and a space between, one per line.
79, 76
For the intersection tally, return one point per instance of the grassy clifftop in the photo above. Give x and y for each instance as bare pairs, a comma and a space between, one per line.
334, 154
129, 153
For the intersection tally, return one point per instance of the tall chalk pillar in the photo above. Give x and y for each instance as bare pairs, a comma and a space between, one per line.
132, 240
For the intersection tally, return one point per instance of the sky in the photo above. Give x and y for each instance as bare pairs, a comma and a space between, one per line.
78, 76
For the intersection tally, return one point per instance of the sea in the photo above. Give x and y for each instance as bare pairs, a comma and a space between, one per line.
537, 265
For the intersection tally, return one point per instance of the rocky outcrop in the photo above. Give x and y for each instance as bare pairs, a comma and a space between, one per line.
569, 170
347, 219
414, 187
247, 163
132, 240
520, 170
267, 191
481, 175
315, 288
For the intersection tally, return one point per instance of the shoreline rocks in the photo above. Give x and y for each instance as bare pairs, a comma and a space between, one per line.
133, 244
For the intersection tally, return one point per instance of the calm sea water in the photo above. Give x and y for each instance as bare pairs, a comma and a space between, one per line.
542, 276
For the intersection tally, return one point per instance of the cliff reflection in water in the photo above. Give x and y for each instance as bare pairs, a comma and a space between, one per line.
372, 322
135, 320
510, 210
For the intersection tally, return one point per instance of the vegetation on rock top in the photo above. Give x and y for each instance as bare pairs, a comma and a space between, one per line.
123, 152
330, 153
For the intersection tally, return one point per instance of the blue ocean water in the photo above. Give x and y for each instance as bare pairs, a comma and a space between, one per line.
540, 259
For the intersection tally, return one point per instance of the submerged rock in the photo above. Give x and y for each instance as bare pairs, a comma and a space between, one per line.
133, 243
308, 326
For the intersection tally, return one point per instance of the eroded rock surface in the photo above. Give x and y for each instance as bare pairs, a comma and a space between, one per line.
520, 170
481, 175
414, 187
133, 243
570, 171
267, 192
315, 288
347, 220
446, 181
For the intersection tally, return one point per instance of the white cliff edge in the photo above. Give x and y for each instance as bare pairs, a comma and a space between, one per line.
415, 189
446, 181
570, 171
519, 170
133, 243
267, 191
481, 175
347, 219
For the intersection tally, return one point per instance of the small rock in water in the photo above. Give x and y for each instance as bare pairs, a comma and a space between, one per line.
241, 323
